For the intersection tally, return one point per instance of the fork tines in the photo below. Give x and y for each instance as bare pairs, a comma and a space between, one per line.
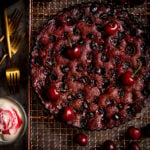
13, 78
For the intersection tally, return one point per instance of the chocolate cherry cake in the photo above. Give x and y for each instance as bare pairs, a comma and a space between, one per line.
90, 66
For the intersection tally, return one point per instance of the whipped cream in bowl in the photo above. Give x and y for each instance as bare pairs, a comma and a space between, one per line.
13, 120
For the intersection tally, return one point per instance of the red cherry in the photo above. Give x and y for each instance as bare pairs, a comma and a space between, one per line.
52, 93
127, 78
82, 139
134, 133
147, 130
133, 146
122, 1
112, 28
68, 114
109, 145
135, 2
73, 52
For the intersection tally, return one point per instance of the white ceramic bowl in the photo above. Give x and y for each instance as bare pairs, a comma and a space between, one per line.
24, 119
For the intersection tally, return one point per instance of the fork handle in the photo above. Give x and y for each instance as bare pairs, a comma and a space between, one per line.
7, 33
3, 58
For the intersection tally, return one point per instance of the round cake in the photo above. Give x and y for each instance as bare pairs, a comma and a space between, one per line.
90, 66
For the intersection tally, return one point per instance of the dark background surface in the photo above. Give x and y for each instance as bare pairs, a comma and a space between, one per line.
21, 61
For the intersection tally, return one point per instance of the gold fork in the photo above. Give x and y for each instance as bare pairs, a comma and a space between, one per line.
15, 44
12, 73
13, 22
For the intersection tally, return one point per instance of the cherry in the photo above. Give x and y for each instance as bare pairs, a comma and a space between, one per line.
127, 78
133, 146
147, 131
135, 2
112, 27
82, 139
52, 93
68, 114
73, 52
109, 145
122, 1
134, 133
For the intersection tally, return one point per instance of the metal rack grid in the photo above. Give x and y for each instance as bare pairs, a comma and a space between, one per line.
45, 133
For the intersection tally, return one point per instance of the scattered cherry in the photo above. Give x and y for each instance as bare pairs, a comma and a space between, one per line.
112, 28
81, 139
52, 93
137, 2
134, 133
68, 114
133, 146
127, 78
147, 131
73, 52
109, 145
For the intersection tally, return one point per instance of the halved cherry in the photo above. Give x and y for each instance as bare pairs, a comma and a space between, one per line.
112, 27
128, 77
68, 114
74, 52
52, 93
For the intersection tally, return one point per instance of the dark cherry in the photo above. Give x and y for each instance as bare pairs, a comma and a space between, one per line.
69, 21
135, 2
112, 27
129, 49
121, 92
123, 1
103, 16
106, 82
93, 45
52, 38
81, 139
76, 31
52, 93
133, 146
93, 8
134, 133
104, 57
100, 71
109, 145
73, 52
127, 78
147, 131
68, 114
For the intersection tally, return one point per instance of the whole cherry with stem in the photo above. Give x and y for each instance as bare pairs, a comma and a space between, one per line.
73, 51
128, 77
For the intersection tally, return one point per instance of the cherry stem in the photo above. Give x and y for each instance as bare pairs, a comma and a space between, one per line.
137, 70
69, 42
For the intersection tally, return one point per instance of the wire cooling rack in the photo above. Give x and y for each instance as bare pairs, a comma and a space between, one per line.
45, 133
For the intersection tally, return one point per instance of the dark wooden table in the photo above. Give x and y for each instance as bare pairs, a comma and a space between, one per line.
20, 60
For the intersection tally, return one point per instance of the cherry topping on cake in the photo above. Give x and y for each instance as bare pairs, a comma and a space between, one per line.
52, 93
112, 27
68, 114
134, 133
127, 78
73, 52
109, 145
133, 146
82, 139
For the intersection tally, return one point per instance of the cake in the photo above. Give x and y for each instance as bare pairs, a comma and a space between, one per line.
90, 66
